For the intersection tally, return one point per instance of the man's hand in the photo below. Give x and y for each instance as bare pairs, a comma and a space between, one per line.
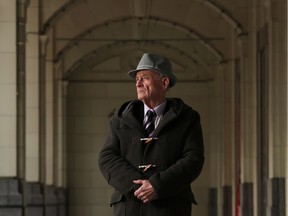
145, 192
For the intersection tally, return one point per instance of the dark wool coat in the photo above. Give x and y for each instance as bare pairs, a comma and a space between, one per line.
177, 156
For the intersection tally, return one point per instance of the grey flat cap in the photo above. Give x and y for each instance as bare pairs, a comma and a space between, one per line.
155, 63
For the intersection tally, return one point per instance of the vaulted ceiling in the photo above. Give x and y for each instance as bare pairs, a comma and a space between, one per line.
103, 39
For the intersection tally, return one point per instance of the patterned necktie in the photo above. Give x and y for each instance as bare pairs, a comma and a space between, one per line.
149, 124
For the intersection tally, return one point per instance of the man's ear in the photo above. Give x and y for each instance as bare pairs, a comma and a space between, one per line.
165, 82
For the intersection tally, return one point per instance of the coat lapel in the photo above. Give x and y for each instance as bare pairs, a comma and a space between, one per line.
168, 116
134, 119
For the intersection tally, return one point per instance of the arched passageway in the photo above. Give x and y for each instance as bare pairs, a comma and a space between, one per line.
70, 61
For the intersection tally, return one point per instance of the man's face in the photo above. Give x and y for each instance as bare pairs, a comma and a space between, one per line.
151, 87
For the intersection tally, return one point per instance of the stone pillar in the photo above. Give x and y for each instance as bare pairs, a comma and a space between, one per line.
42, 108
32, 95
8, 93
12, 109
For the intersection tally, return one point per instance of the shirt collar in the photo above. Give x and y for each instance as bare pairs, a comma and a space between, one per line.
158, 110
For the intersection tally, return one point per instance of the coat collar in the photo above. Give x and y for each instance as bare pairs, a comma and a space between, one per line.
132, 113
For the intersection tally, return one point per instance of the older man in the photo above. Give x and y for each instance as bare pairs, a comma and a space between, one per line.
154, 150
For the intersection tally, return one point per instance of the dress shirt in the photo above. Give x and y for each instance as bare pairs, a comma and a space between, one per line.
158, 110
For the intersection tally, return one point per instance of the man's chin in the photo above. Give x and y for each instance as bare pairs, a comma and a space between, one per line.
141, 97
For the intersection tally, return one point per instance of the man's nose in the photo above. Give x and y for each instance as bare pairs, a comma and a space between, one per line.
139, 82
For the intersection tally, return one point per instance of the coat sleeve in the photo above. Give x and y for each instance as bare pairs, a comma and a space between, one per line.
180, 175
118, 172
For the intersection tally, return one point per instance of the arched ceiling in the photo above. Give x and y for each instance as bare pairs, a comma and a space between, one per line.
103, 39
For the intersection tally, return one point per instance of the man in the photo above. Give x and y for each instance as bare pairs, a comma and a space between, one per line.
151, 161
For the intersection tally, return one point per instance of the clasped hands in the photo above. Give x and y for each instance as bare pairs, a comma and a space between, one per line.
146, 193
